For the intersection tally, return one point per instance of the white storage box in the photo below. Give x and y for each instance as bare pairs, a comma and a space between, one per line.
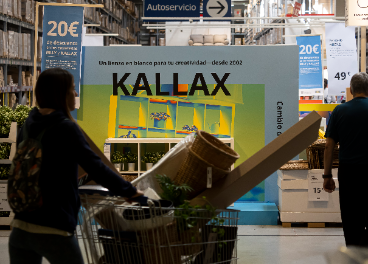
294, 201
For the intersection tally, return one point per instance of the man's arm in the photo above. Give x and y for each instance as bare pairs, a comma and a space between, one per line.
329, 183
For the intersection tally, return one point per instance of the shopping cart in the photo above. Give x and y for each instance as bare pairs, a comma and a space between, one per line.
114, 232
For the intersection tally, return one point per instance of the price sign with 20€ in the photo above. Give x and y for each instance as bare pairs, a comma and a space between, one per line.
62, 39
310, 64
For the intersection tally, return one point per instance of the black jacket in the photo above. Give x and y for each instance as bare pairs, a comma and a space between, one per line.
63, 149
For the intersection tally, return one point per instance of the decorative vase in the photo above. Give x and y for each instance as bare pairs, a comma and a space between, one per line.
131, 166
149, 166
117, 166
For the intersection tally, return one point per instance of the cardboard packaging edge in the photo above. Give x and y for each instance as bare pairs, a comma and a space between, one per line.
262, 164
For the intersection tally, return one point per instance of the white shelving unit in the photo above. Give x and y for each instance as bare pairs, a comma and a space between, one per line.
140, 141
4, 206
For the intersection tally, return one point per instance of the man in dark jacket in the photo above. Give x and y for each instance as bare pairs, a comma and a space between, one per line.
348, 126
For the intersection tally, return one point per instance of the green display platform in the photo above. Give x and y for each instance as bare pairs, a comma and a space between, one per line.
256, 213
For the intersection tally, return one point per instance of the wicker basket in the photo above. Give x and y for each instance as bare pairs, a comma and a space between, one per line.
129, 178
214, 150
295, 165
315, 155
193, 172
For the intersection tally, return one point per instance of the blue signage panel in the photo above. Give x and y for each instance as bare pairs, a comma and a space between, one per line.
217, 8
310, 64
62, 40
169, 8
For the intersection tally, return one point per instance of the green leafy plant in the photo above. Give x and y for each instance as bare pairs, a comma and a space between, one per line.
4, 172
5, 150
187, 215
160, 155
6, 117
21, 113
149, 157
217, 222
117, 157
131, 157
172, 192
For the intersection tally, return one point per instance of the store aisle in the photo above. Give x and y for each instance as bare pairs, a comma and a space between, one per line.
265, 245
278, 245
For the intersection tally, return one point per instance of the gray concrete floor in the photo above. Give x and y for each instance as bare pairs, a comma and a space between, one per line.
265, 244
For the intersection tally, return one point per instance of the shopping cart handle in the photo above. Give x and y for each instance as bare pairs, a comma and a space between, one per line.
142, 200
92, 192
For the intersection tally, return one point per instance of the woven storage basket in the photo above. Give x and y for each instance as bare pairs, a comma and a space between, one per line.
315, 155
214, 150
193, 172
129, 178
295, 165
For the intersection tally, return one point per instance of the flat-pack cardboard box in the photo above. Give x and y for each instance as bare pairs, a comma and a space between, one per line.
29, 45
1, 44
5, 45
20, 46
11, 47
25, 46
162, 42
262, 164
153, 41
238, 41
16, 45
10, 8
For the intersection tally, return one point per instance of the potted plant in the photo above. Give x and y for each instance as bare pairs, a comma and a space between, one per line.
131, 159
159, 119
172, 192
5, 150
4, 172
190, 220
20, 114
149, 158
6, 117
118, 160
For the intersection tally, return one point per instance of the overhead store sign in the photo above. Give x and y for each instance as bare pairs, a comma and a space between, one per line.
356, 13
62, 40
310, 65
342, 62
217, 8
168, 8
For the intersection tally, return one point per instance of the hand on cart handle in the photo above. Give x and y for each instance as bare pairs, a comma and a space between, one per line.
131, 199
329, 185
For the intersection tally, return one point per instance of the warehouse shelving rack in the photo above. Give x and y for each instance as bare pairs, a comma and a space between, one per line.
19, 26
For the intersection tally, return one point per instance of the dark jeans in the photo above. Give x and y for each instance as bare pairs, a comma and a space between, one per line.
353, 189
29, 248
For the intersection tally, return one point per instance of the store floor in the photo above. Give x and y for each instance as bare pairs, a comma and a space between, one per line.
265, 244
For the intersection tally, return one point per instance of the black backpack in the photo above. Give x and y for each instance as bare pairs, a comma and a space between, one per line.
24, 192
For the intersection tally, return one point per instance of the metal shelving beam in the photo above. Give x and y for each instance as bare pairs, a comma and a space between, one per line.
17, 22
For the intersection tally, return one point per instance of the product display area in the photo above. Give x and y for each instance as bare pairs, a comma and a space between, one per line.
203, 109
